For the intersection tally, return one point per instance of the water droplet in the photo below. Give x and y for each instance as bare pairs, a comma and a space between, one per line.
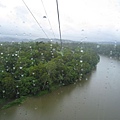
13, 68
115, 46
4, 113
53, 49
98, 46
105, 87
82, 69
33, 80
81, 51
15, 54
110, 52
24, 34
3, 91
20, 67
22, 75
81, 61
35, 108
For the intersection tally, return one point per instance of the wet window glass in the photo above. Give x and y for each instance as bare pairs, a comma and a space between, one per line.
59, 59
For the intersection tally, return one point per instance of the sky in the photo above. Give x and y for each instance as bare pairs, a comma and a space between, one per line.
81, 20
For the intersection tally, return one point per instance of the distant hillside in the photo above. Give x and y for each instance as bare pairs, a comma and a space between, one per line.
17, 39
13, 39
53, 40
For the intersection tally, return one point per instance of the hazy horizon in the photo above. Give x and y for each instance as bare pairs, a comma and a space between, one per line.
81, 20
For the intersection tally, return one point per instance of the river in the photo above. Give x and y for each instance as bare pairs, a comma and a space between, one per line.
95, 98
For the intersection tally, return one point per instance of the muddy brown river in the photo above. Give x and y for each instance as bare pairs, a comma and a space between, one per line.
97, 97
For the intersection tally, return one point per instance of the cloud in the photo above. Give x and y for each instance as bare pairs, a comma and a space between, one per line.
80, 19
2, 6
21, 12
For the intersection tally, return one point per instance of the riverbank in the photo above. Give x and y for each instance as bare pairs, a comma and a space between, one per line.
4, 104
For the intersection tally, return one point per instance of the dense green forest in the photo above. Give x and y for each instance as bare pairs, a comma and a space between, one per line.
28, 68
111, 50
107, 49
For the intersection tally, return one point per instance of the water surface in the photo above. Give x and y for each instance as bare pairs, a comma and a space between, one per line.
95, 98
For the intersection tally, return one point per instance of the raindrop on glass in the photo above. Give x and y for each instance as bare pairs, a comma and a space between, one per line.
13, 68
22, 75
33, 73
3, 91
81, 51
20, 67
81, 61
98, 46
110, 52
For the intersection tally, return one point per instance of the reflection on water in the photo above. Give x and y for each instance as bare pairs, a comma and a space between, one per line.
95, 98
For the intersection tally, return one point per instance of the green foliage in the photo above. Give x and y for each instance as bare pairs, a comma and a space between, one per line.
15, 102
31, 68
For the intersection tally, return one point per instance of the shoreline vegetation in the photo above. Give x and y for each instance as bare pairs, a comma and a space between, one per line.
37, 68
18, 101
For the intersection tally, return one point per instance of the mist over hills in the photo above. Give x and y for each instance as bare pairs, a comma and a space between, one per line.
17, 39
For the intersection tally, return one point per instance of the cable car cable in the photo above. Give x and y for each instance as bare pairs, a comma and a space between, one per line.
35, 19
59, 23
47, 18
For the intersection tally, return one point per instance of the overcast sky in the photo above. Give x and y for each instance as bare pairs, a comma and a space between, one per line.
83, 20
